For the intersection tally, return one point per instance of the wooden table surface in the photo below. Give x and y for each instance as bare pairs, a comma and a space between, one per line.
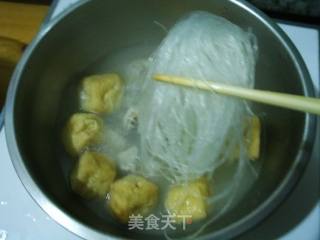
19, 23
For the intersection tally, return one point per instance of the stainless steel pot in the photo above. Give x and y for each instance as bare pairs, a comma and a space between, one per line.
91, 30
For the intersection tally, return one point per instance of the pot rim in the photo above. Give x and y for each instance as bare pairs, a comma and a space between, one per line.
242, 225
1, 118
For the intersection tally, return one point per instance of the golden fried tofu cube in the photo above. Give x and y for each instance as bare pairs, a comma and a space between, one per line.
101, 93
93, 175
252, 138
81, 131
132, 195
188, 199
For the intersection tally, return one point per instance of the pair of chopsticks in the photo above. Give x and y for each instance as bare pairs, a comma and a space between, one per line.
290, 101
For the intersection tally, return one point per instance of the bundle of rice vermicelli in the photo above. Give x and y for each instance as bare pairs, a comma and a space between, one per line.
184, 133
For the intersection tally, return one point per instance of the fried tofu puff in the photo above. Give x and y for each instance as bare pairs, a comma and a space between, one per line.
81, 131
132, 195
93, 175
188, 201
101, 93
253, 138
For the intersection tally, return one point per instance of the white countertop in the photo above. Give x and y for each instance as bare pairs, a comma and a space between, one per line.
22, 219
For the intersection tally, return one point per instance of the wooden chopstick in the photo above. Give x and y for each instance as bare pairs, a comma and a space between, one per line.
290, 101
